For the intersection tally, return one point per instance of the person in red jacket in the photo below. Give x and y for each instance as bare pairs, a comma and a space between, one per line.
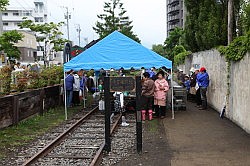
160, 95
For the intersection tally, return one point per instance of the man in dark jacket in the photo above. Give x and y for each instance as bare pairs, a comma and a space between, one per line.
69, 81
193, 91
203, 82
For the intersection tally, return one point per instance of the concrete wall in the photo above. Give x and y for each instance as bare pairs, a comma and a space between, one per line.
239, 110
239, 84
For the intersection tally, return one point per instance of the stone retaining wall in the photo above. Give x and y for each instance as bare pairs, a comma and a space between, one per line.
239, 97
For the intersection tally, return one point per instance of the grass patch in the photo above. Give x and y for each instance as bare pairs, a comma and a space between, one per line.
153, 125
30, 129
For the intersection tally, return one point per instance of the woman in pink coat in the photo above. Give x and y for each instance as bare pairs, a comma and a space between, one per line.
160, 95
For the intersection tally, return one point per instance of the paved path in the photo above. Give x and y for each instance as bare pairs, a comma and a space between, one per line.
198, 138
193, 138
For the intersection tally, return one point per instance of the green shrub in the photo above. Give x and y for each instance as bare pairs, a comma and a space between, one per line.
5, 80
237, 49
180, 58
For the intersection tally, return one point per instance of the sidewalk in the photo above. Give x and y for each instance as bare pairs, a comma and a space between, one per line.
193, 138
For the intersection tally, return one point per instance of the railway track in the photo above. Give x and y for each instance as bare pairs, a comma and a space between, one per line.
81, 143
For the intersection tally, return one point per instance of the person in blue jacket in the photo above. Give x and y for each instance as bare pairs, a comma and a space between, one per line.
203, 82
69, 81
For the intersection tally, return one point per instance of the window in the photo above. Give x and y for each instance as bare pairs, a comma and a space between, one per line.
38, 19
5, 23
5, 14
40, 48
17, 23
27, 14
15, 14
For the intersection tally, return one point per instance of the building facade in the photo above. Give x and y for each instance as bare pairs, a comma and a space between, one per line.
27, 47
176, 14
41, 17
13, 16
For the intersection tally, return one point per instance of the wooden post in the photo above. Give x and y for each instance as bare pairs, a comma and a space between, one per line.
138, 116
107, 146
42, 94
15, 110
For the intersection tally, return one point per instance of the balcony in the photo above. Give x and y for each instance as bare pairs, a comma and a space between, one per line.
39, 1
174, 8
172, 18
171, 2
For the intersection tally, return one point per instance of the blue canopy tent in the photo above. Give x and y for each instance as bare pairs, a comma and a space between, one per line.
116, 51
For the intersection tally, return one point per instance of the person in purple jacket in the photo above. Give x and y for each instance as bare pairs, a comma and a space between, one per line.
203, 82
69, 81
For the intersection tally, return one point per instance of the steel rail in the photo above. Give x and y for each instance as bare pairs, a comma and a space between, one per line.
96, 160
43, 152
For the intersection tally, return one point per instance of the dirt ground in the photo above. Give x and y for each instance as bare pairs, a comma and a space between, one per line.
193, 138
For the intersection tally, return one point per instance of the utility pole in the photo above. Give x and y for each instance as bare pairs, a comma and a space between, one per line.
230, 21
67, 17
78, 29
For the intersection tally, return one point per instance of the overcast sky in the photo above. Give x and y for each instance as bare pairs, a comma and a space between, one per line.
148, 16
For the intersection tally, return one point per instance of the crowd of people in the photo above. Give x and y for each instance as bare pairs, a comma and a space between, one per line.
79, 83
196, 85
76, 86
154, 94
154, 88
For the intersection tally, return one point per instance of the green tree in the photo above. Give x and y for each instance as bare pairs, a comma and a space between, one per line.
173, 40
244, 21
178, 49
49, 33
8, 40
113, 19
159, 49
3, 4
206, 23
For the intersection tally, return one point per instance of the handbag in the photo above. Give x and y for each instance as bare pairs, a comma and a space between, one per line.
192, 90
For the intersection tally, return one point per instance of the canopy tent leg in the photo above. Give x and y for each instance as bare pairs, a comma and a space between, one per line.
172, 93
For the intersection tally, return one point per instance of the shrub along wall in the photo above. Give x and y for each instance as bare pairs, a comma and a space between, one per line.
14, 108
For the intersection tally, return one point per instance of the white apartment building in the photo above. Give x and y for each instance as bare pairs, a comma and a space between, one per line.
41, 16
36, 11
13, 16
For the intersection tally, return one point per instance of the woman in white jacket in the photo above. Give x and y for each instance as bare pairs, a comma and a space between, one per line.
76, 89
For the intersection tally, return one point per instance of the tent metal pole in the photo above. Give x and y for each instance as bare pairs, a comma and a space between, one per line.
65, 97
172, 93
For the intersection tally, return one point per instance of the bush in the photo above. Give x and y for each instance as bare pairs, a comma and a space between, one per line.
180, 58
237, 49
29, 79
5, 80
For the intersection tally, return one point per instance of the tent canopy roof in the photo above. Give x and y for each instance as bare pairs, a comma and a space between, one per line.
116, 51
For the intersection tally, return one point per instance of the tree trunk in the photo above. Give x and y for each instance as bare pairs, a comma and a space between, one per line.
230, 22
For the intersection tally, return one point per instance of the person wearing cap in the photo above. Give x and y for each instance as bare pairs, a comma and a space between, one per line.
195, 92
181, 76
203, 82
187, 83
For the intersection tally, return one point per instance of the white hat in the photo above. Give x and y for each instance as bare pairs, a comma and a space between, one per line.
192, 69
180, 70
